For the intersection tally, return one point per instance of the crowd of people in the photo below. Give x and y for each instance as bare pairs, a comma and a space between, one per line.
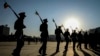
90, 40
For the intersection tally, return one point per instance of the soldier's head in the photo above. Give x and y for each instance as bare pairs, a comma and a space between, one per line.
22, 14
45, 20
59, 27
67, 29
73, 30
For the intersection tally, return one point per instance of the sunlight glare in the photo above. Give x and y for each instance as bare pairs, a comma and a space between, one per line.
71, 23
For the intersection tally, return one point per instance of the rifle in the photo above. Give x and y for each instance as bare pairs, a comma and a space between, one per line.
6, 4
55, 23
39, 16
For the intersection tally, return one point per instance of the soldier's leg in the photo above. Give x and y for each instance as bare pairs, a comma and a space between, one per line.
21, 44
66, 46
74, 45
44, 47
40, 50
58, 43
17, 35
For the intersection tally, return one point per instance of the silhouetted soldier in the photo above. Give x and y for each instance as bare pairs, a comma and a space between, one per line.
67, 39
80, 39
19, 26
74, 38
44, 36
90, 40
94, 39
86, 39
58, 32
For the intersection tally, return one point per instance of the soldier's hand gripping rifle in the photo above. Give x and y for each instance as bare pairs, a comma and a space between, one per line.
39, 16
6, 5
55, 23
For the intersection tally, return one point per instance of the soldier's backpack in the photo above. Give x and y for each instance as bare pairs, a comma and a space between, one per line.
16, 25
41, 27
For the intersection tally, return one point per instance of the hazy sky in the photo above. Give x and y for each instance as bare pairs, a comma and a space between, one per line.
87, 12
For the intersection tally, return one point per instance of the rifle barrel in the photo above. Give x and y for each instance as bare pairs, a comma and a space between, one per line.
14, 12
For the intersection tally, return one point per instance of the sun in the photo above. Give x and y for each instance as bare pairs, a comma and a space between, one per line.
72, 23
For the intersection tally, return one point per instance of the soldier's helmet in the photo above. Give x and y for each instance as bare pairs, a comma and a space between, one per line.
22, 14
45, 20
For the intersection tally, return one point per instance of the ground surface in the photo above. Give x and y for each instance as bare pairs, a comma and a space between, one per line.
6, 48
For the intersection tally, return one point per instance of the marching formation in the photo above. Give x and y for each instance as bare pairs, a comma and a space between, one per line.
76, 37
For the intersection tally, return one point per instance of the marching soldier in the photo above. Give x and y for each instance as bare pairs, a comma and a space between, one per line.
67, 39
44, 36
58, 32
19, 26
74, 38
80, 39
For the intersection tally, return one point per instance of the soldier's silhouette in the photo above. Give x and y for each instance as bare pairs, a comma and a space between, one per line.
44, 36
19, 26
58, 32
86, 39
74, 38
67, 39
80, 39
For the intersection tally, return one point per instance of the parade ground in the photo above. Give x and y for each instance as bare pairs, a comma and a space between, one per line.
6, 48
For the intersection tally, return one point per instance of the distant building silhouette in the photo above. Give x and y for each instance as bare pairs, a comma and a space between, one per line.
93, 30
4, 30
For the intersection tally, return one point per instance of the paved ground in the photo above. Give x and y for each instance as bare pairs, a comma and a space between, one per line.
6, 48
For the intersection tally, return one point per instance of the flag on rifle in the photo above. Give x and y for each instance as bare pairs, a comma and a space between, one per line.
36, 13
6, 5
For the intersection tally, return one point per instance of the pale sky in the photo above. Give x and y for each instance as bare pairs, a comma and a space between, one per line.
87, 12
